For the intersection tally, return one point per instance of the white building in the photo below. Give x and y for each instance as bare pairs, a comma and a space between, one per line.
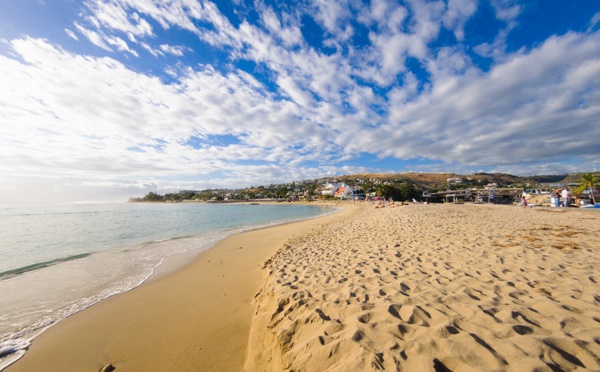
344, 193
331, 188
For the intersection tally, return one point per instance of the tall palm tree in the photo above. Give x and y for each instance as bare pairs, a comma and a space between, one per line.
588, 181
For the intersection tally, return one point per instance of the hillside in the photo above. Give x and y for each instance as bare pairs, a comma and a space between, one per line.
403, 185
430, 181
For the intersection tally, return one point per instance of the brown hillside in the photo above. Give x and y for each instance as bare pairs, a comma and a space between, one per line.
434, 180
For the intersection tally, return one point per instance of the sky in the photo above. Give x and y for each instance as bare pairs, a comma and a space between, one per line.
106, 100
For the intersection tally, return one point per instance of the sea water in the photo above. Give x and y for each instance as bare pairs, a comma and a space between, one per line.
57, 259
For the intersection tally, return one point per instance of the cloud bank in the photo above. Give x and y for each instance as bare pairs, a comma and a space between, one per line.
375, 82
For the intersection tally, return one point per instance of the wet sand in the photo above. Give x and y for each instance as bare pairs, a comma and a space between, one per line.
195, 319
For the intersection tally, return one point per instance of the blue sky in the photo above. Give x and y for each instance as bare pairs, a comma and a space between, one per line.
102, 100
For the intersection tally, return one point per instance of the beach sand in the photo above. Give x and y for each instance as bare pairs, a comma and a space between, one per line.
413, 288
434, 288
195, 319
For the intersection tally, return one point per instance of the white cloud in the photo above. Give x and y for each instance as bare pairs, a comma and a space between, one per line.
113, 15
289, 34
332, 14
298, 95
594, 21
92, 117
71, 34
402, 33
94, 37
426, 19
106, 20
457, 14
393, 51
98, 122
176, 50
156, 52
532, 108
507, 10
120, 44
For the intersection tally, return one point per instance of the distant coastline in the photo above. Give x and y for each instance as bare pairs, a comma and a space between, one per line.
498, 188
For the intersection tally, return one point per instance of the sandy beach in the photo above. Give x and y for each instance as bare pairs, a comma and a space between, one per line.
194, 319
434, 287
414, 288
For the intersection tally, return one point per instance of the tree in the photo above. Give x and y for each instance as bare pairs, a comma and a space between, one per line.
310, 192
188, 195
398, 191
368, 186
587, 181
281, 191
152, 196
382, 190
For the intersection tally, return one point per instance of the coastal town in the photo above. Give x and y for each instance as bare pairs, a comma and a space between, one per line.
410, 187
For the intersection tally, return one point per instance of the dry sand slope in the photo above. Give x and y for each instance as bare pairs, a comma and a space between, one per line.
434, 287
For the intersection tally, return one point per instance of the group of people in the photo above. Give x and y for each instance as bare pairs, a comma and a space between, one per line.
381, 202
555, 198
558, 194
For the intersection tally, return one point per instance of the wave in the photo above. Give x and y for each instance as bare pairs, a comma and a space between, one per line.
40, 265
15, 342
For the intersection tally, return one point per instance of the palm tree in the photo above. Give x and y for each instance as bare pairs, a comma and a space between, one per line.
587, 181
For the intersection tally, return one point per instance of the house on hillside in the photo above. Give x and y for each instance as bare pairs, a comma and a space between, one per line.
534, 191
344, 193
332, 188
329, 189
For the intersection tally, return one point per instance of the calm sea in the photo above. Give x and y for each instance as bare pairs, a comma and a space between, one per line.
57, 259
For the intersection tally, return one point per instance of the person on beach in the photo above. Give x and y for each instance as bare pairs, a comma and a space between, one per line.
523, 202
556, 195
565, 195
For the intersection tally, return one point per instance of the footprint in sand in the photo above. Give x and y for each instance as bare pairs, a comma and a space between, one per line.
322, 315
358, 335
324, 340
522, 330
415, 315
566, 351
517, 314
367, 306
365, 318
394, 310
107, 368
334, 328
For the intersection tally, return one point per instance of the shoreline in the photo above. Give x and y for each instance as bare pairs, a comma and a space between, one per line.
41, 302
178, 261
405, 287
205, 303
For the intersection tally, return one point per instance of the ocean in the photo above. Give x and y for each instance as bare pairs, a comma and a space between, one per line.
57, 259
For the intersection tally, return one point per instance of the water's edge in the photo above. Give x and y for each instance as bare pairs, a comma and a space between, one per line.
11, 352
